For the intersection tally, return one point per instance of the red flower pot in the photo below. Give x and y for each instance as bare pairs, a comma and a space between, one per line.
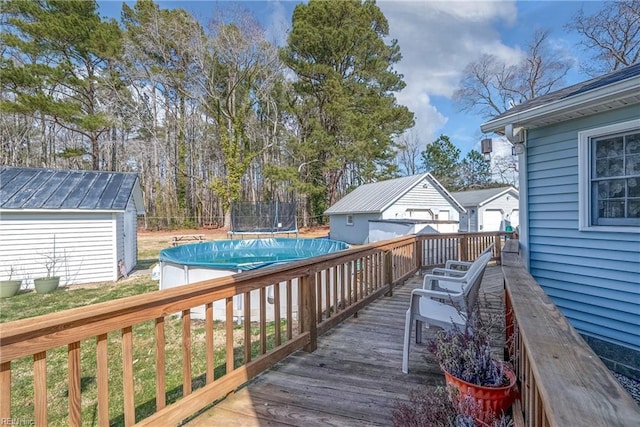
491, 401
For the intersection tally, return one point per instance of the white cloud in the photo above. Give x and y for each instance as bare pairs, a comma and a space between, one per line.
278, 24
437, 40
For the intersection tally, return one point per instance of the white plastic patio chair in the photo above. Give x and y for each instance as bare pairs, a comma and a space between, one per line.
443, 308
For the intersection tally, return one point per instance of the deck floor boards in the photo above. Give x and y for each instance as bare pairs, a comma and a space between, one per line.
353, 377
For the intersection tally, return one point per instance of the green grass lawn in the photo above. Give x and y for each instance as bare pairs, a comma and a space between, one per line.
31, 304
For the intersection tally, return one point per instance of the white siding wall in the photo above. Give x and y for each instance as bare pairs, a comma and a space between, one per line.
506, 204
84, 241
420, 197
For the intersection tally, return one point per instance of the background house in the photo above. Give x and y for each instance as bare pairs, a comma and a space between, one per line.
89, 216
415, 197
490, 209
580, 206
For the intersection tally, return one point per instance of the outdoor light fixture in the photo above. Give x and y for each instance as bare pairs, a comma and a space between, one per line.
517, 137
486, 149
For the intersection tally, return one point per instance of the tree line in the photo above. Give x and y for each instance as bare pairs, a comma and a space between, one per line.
212, 114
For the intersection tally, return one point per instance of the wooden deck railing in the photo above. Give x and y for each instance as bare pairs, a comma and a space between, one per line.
330, 288
562, 381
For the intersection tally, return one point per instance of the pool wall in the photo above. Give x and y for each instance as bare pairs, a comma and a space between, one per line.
188, 264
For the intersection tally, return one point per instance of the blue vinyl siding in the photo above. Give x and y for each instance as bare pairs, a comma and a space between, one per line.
355, 234
593, 277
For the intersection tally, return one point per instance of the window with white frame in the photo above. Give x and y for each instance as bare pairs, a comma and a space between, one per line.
349, 219
610, 177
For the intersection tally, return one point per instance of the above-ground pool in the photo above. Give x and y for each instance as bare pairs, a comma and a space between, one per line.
182, 265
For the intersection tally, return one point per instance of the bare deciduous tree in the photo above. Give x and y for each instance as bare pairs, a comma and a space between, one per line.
408, 157
490, 86
612, 36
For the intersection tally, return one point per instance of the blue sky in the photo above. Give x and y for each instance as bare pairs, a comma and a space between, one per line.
437, 39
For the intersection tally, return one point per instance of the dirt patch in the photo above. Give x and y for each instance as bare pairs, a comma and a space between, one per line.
220, 233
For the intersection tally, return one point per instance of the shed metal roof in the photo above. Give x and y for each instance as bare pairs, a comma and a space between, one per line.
35, 188
377, 196
480, 197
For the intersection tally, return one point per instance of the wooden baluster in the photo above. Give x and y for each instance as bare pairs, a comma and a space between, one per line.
276, 314
75, 402
334, 275
209, 345
127, 377
343, 286
319, 310
39, 388
186, 352
102, 374
247, 327
5, 390
161, 400
349, 282
290, 310
229, 335
263, 320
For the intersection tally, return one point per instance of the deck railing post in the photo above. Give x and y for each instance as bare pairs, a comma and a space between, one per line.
498, 248
388, 272
464, 248
308, 319
418, 254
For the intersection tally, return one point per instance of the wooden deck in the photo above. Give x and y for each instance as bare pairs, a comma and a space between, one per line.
354, 376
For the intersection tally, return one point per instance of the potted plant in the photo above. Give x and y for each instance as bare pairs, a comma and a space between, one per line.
45, 285
9, 287
434, 408
464, 354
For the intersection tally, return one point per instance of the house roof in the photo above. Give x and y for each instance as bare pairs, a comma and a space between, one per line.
35, 188
614, 90
378, 196
481, 197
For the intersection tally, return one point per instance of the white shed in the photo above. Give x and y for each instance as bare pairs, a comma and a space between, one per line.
85, 219
415, 197
491, 209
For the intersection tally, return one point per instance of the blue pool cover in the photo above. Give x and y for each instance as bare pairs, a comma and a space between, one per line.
248, 254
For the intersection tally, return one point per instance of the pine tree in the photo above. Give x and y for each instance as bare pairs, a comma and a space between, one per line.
56, 64
441, 159
345, 84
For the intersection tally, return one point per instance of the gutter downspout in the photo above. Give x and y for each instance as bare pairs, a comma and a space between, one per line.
523, 203
518, 136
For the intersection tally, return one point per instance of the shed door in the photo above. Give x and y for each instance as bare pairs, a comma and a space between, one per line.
491, 220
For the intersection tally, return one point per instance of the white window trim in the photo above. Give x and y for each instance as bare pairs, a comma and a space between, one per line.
349, 219
584, 176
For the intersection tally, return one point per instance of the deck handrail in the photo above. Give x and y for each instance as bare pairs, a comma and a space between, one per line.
332, 287
562, 381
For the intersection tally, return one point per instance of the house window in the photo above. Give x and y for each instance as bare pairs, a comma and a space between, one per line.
609, 159
349, 219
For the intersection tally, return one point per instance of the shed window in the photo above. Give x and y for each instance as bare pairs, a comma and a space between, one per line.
610, 177
349, 219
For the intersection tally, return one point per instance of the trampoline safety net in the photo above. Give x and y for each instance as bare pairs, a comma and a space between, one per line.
263, 217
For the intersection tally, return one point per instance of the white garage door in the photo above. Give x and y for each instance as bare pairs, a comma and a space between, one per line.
418, 214
491, 220
515, 218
